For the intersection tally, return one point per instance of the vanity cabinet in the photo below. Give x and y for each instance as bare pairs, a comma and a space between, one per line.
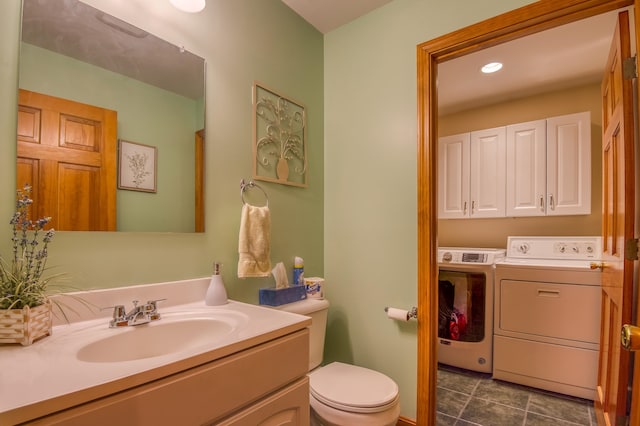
472, 174
265, 384
549, 166
537, 168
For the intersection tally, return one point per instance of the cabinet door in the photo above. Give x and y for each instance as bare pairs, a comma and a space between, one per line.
453, 174
488, 172
288, 407
526, 169
569, 164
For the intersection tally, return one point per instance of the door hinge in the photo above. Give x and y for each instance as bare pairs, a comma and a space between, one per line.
631, 249
630, 68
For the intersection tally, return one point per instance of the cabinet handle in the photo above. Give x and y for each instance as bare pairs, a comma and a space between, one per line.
549, 293
473, 206
542, 203
464, 208
551, 202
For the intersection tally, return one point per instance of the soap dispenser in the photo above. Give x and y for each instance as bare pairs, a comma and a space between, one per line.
216, 293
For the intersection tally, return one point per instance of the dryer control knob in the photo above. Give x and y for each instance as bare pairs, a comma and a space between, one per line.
447, 257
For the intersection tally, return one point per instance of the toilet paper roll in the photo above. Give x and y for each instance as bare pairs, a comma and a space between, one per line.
397, 314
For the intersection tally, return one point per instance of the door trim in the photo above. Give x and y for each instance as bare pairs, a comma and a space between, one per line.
538, 16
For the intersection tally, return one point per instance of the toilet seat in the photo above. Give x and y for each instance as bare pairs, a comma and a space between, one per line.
353, 389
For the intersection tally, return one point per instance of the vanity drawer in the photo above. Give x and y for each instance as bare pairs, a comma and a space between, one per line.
200, 395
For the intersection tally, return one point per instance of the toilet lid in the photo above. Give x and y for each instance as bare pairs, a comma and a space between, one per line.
350, 388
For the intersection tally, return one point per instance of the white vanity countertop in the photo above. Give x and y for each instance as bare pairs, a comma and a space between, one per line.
47, 376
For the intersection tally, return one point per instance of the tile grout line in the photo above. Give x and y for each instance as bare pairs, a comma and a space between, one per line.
526, 410
468, 399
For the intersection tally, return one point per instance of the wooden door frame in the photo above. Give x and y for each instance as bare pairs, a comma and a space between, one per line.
530, 19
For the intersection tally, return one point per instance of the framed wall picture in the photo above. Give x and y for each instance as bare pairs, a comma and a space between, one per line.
137, 166
279, 138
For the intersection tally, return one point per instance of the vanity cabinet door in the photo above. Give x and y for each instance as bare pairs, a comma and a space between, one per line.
288, 407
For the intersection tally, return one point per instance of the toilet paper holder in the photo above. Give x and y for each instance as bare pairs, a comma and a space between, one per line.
411, 313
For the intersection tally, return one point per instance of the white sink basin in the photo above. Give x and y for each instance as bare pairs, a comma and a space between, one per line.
162, 337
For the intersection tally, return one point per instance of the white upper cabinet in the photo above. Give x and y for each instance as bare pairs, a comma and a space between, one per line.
526, 168
471, 174
453, 176
536, 168
569, 164
549, 166
488, 168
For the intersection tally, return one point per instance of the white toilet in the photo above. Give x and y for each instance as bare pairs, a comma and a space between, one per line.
343, 394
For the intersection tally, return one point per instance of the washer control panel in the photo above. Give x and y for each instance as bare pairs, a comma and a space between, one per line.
458, 255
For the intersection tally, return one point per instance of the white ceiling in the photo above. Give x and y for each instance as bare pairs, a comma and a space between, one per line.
568, 56
77, 30
563, 57
327, 15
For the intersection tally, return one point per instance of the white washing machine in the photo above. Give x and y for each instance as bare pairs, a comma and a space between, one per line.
547, 314
465, 306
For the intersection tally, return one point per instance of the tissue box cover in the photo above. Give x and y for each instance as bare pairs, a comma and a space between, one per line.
282, 296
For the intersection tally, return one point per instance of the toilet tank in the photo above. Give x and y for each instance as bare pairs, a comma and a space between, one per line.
317, 309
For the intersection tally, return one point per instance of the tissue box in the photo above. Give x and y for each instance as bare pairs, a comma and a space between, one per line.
281, 296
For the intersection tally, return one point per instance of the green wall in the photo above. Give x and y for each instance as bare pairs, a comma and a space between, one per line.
146, 115
370, 179
241, 41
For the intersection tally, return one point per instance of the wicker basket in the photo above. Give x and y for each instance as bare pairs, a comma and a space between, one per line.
25, 325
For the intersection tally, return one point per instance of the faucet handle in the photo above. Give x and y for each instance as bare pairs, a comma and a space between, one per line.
119, 315
154, 303
151, 308
118, 312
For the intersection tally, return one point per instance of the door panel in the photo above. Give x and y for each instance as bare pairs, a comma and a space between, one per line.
617, 227
67, 152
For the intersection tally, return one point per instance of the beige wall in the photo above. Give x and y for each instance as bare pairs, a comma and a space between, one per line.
494, 232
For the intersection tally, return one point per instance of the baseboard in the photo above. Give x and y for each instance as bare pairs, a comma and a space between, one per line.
403, 421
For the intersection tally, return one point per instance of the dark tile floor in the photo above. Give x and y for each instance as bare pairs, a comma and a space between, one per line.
468, 398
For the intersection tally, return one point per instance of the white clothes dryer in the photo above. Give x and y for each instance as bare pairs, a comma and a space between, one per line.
547, 314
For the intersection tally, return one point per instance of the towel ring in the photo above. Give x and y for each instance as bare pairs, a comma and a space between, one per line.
251, 184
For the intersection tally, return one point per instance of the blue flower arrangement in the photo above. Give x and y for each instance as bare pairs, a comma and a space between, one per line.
22, 282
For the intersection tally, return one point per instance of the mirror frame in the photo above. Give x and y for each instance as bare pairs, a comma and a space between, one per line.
530, 19
118, 40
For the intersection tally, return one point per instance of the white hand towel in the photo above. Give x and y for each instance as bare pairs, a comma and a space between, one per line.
253, 242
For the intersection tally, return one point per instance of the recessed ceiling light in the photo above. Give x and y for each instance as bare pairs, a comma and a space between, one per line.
491, 67
191, 6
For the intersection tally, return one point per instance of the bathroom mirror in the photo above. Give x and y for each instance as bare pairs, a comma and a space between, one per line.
74, 52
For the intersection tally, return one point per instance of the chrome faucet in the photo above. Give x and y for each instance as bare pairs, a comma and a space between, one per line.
140, 314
